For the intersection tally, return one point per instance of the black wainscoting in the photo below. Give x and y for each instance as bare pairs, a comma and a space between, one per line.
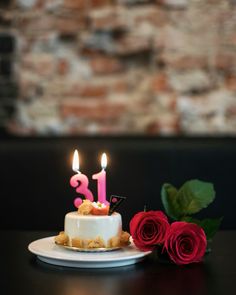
35, 172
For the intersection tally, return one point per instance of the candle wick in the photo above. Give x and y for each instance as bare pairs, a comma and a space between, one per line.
76, 171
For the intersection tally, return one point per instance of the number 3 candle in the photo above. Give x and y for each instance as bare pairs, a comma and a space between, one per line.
80, 182
101, 181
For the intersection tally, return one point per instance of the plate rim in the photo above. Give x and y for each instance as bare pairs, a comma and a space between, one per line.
92, 264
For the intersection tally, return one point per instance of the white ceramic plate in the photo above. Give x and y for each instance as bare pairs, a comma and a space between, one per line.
47, 251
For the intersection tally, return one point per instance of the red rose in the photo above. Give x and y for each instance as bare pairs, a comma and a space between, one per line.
185, 242
148, 229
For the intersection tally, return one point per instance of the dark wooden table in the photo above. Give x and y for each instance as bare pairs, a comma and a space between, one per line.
23, 273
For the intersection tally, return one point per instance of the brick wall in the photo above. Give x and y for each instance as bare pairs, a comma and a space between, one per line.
118, 67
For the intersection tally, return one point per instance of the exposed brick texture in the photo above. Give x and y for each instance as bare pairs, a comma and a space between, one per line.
162, 67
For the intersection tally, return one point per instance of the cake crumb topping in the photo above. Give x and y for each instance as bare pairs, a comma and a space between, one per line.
124, 238
93, 208
96, 243
114, 242
62, 239
85, 208
77, 242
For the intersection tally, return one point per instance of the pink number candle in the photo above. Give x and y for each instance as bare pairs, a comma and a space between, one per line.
80, 182
101, 181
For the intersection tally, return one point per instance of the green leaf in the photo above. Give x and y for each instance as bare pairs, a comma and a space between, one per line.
191, 220
209, 225
193, 196
168, 197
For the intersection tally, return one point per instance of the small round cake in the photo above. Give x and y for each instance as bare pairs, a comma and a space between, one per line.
91, 227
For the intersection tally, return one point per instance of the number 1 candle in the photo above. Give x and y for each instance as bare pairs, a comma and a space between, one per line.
80, 182
101, 181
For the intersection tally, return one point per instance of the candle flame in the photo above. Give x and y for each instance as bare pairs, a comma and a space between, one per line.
75, 163
104, 161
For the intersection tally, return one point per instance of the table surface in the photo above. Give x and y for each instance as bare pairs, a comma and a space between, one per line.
23, 273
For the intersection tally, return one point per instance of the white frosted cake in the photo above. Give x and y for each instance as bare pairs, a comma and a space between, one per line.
88, 229
92, 227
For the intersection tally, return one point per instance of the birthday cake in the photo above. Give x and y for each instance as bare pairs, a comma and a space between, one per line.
93, 227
